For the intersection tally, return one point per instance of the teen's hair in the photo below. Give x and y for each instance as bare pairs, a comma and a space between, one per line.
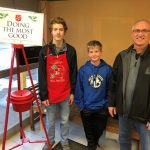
58, 20
94, 43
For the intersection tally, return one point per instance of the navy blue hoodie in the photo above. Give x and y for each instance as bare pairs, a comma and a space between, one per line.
92, 86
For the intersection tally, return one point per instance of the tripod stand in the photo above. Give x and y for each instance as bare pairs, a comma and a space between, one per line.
24, 139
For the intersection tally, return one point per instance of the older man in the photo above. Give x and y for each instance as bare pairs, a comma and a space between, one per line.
129, 92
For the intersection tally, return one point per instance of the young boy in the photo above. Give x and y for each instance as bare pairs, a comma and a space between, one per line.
57, 79
91, 94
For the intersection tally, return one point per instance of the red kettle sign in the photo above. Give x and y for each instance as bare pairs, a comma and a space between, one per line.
21, 27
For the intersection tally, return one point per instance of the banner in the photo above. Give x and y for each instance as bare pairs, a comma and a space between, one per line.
21, 27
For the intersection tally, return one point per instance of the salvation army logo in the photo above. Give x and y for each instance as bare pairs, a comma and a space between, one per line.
57, 72
18, 18
95, 81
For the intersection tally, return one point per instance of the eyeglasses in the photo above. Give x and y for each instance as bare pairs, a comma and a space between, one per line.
144, 31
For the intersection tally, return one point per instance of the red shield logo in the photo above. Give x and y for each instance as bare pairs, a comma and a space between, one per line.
18, 18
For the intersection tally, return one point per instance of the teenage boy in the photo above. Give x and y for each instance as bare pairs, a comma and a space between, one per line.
57, 78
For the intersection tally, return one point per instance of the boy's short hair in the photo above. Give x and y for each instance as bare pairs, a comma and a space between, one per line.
58, 20
94, 43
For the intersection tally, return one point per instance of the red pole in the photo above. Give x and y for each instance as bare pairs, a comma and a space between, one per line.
19, 82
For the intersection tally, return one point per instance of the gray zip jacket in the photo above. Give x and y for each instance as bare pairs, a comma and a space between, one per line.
140, 104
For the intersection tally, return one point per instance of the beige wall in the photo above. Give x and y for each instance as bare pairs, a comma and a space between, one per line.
106, 20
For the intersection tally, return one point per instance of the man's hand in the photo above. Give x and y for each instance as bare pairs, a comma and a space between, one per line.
148, 125
46, 102
71, 99
112, 111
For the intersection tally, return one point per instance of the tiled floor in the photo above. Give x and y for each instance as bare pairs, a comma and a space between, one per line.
108, 141
76, 134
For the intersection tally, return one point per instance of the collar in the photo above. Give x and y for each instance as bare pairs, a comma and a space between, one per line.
143, 54
62, 49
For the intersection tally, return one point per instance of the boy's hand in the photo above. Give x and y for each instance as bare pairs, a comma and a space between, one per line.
112, 111
46, 102
71, 99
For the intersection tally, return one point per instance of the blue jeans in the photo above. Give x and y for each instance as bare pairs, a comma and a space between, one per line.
63, 109
125, 127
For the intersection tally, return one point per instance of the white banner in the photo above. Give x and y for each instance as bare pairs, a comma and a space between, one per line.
21, 27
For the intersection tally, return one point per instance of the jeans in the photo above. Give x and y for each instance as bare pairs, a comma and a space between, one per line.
63, 110
125, 127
